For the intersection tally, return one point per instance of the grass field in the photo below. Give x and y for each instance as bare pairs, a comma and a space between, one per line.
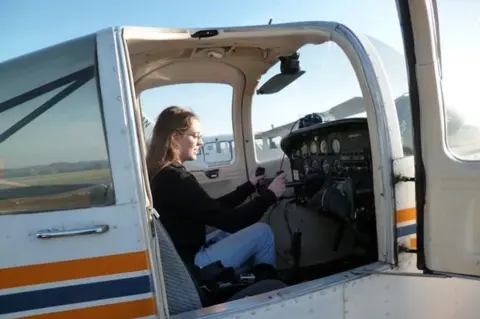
70, 200
66, 200
60, 178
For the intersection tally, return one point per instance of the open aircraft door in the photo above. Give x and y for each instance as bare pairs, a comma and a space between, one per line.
447, 188
74, 240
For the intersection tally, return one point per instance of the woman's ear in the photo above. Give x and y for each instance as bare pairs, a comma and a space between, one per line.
176, 136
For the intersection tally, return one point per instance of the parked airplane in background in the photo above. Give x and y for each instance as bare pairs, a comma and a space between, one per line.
220, 149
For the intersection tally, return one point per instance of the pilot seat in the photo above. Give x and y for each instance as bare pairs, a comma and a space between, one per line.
187, 289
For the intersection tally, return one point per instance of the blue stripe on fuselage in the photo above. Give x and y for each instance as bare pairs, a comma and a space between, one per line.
66, 295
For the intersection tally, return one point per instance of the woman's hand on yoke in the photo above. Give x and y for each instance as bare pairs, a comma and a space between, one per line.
278, 185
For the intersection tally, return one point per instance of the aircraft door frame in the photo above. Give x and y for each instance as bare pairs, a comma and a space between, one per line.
383, 124
75, 258
139, 126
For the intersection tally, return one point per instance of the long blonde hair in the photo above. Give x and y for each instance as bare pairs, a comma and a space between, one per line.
163, 149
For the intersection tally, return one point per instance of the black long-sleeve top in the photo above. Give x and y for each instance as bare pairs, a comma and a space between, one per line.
186, 209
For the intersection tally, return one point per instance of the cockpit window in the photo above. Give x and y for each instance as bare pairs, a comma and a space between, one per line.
53, 150
338, 96
212, 102
318, 90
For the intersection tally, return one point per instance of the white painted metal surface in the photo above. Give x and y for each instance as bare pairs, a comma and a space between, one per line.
452, 212
71, 274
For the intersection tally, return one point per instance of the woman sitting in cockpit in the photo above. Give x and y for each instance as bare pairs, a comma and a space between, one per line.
186, 209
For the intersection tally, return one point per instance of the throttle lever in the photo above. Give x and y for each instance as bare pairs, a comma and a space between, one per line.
293, 184
262, 183
260, 171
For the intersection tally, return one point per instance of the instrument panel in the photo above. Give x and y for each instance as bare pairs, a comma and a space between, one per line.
336, 149
332, 170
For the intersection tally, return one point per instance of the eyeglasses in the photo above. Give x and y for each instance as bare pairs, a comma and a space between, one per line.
194, 135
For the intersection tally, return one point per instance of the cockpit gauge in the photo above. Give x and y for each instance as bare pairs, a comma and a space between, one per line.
325, 166
336, 146
304, 149
313, 147
338, 167
306, 168
323, 147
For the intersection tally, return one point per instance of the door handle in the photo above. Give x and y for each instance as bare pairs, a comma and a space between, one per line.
47, 234
213, 173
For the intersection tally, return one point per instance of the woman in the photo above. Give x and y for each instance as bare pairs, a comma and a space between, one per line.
186, 209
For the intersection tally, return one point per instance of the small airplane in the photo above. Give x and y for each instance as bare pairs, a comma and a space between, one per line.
379, 220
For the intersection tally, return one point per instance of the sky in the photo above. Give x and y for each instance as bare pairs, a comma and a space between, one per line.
28, 25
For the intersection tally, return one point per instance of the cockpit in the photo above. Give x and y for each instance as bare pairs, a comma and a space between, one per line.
327, 221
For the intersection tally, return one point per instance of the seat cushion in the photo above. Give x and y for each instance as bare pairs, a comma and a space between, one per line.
182, 294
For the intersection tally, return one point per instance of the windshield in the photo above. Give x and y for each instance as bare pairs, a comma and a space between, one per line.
462, 135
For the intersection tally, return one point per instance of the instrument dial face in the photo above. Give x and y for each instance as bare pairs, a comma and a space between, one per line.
338, 166
325, 166
323, 147
304, 149
336, 146
313, 147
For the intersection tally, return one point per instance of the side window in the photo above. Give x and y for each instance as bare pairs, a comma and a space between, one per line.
395, 68
212, 102
53, 150
314, 92
459, 26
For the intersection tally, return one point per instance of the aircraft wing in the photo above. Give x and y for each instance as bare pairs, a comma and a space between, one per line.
276, 131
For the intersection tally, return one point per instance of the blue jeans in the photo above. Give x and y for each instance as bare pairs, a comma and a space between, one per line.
255, 243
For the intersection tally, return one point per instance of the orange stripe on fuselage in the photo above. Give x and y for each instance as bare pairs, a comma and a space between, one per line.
72, 269
405, 215
413, 243
123, 310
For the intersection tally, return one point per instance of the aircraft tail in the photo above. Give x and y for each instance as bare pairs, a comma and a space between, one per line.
147, 127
